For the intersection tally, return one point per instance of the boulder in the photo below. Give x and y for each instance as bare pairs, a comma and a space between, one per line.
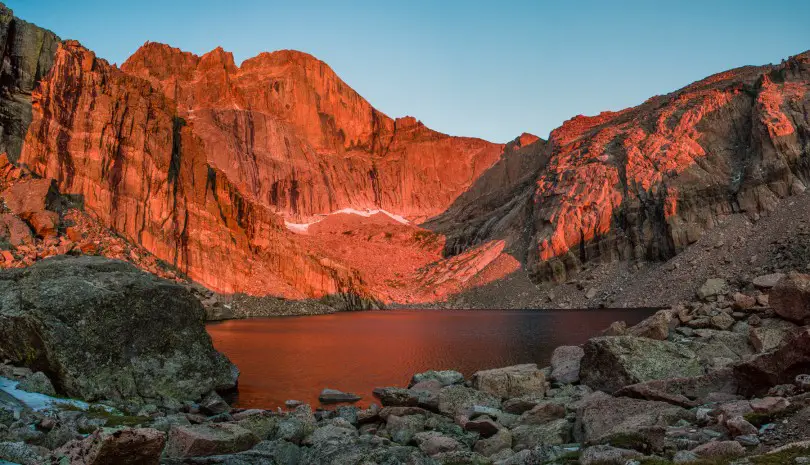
396, 397
739, 426
531, 436
637, 424
790, 297
35, 201
607, 455
612, 362
444, 377
518, 405
21, 453
37, 382
403, 429
770, 334
15, 230
711, 344
781, 366
742, 301
435, 444
719, 449
208, 439
712, 288
767, 281
542, 414
459, 400
656, 326
686, 392
296, 426
617, 328
513, 381
262, 424
333, 396
769, 405
501, 440
213, 404
722, 321
427, 394
483, 426
565, 362
100, 329
127, 446
332, 433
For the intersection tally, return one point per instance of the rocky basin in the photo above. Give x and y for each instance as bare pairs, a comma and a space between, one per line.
724, 379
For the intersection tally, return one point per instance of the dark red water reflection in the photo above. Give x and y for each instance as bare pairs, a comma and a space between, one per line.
296, 357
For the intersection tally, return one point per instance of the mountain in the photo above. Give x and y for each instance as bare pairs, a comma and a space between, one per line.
275, 178
646, 182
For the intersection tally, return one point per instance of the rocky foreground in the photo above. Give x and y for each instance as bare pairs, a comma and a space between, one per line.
725, 379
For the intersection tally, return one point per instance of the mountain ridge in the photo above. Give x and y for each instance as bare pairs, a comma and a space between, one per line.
217, 169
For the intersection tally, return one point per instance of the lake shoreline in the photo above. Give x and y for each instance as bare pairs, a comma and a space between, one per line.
662, 391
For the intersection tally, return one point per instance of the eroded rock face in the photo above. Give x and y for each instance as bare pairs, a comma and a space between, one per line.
645, 182
146, 343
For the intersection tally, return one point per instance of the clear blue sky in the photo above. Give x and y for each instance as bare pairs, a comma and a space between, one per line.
491, 69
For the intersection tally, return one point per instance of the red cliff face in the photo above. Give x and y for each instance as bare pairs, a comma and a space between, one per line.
646, 182
202, 163
297, 139
275, 177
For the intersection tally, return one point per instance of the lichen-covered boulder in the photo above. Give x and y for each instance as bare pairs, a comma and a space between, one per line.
125, 446
612, 362
102, 329
624, 422
513, 381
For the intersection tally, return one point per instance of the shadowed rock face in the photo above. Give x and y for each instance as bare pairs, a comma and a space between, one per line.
101, 329
27, 55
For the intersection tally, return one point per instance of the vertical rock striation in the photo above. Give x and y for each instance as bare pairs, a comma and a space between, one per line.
27, 56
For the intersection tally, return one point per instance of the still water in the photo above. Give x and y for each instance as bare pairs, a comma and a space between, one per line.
295, 357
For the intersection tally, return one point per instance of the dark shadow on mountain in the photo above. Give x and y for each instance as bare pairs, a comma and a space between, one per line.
499, 204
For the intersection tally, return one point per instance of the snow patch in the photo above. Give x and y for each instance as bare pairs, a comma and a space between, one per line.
35, 400
302, 228
298, 227
367, 213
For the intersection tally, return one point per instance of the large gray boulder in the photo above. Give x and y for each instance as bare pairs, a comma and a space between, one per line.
565, 363
512, 381
637, 424
125, 446
612, 362
101, 329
